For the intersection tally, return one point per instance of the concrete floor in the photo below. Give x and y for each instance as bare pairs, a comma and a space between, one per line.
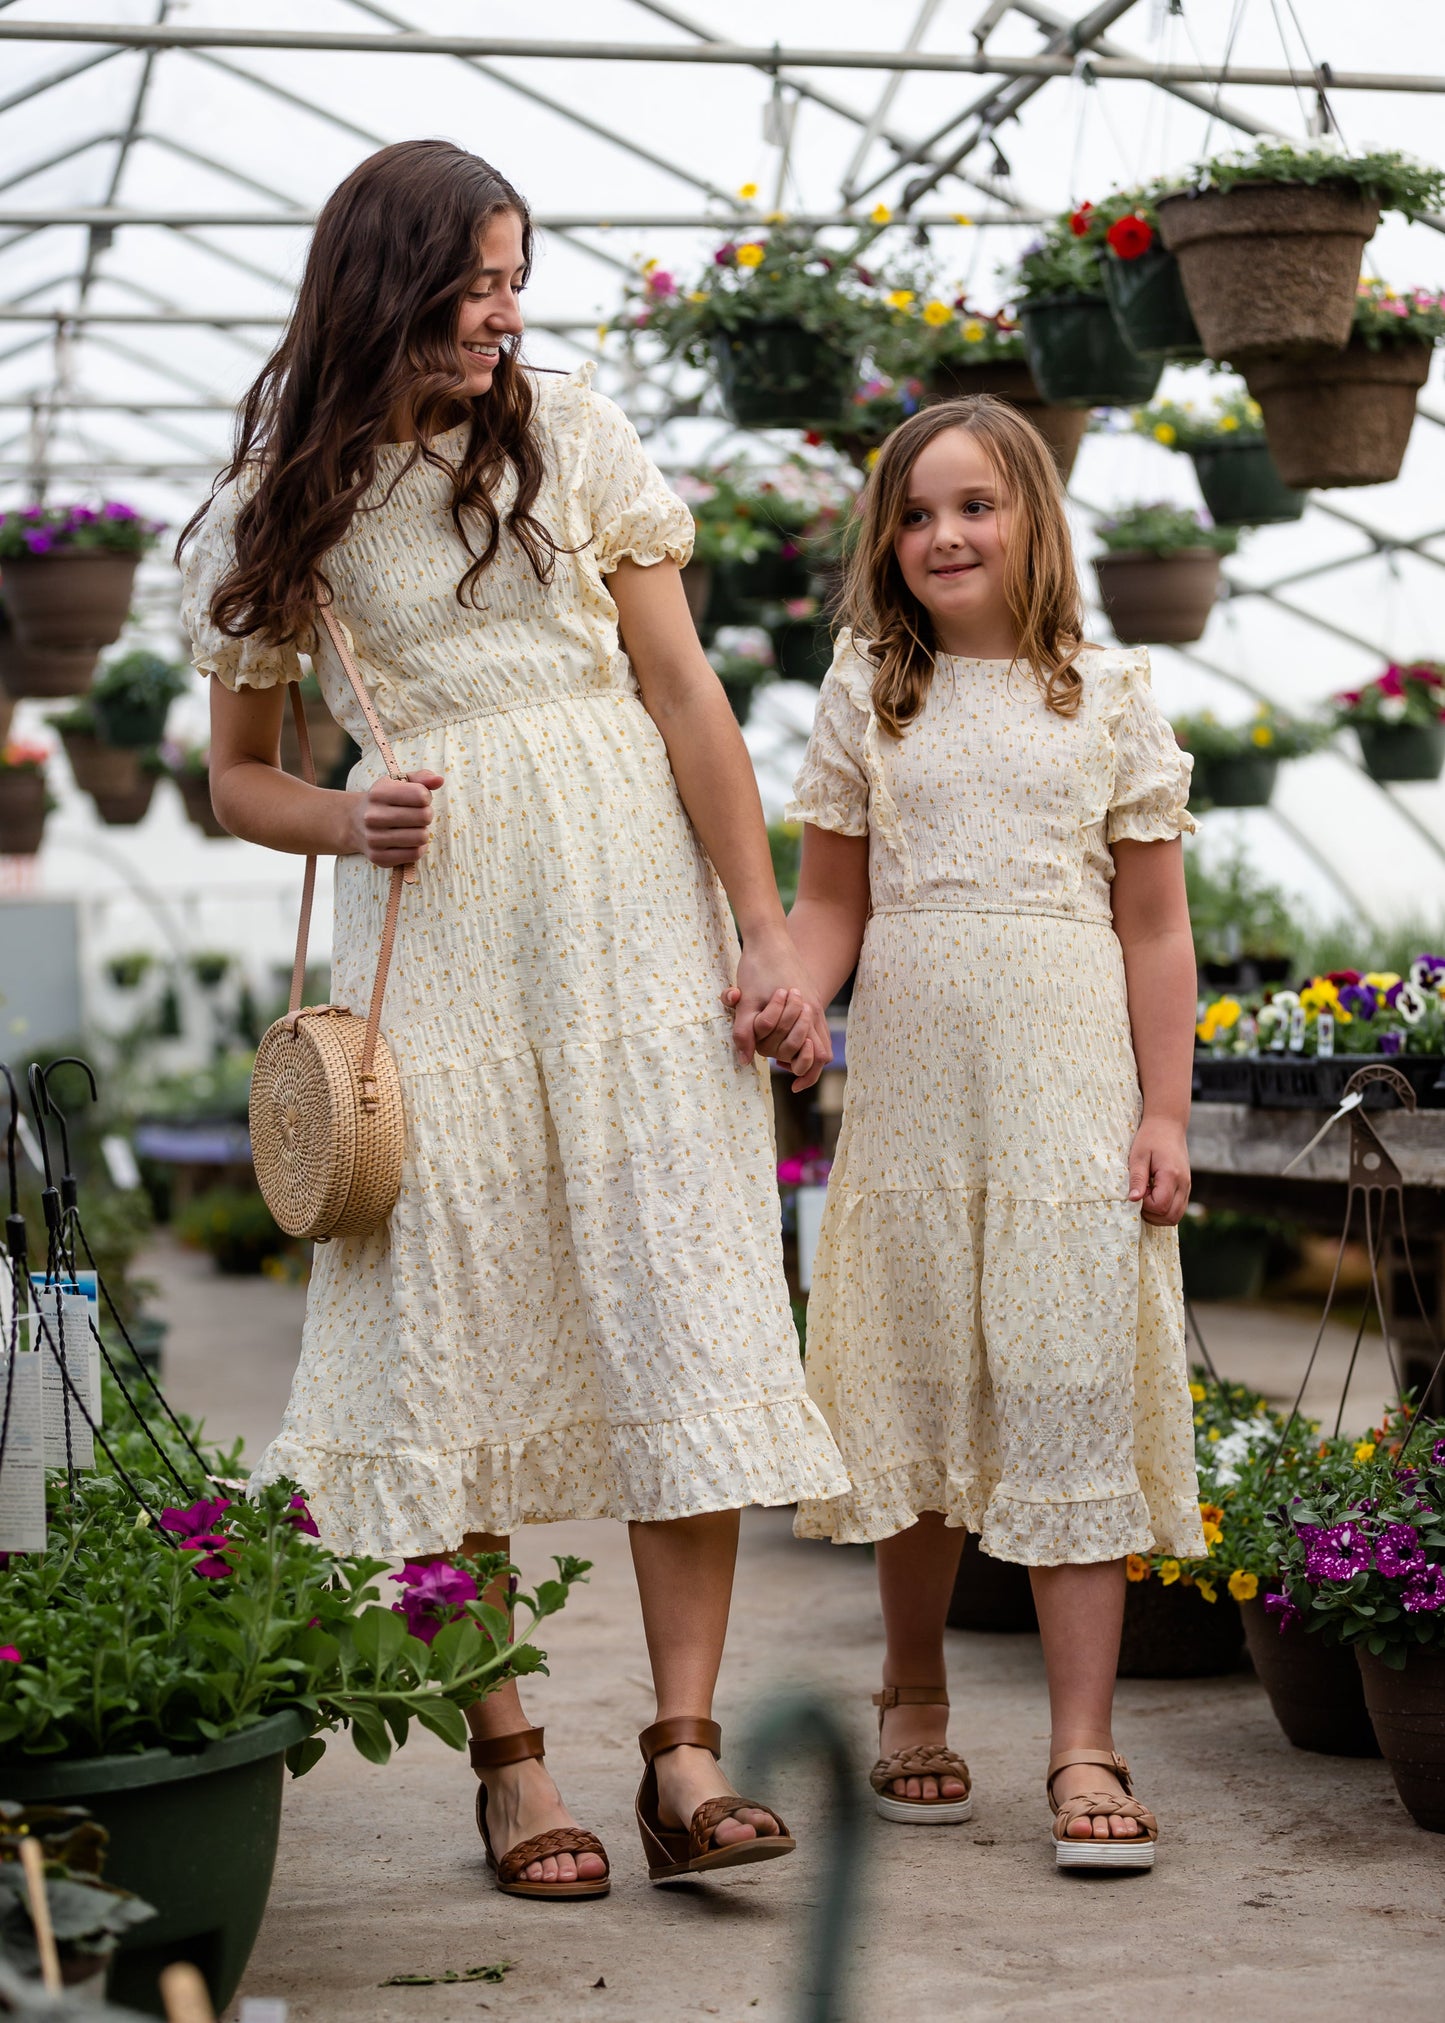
1288, 1886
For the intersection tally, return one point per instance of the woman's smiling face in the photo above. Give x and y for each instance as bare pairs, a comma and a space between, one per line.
490, 310
951, 539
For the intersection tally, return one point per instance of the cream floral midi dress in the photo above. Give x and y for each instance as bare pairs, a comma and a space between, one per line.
993, 1331
577, 1308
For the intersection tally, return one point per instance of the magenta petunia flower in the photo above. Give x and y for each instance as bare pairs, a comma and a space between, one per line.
9, 1655
212, 1546
435, 1593
196, 1518
1399, 1553
300, 1516
39, 542
1426, 1593
1338, 1553
1437, 1454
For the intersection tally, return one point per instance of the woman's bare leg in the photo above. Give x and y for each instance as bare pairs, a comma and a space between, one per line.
916, 1572
1081, 1616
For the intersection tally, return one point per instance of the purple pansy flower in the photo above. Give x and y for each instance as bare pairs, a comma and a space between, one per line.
39, 542
1358, 1000
1437, 1453
1285, 1610
1392, 1043
1399, 1553
435, 1593
1426, 1592
197, 1518
1339, 1553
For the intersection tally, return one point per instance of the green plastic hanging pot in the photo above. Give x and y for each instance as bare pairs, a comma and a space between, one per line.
1079, 356
1247, 780
1402, 751
803, 648
133, 726
775, 374
1147, 299
1242, 486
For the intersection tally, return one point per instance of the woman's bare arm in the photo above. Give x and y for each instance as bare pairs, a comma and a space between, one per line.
1151, 919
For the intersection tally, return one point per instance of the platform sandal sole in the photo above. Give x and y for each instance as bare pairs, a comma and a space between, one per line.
1121, 1854
921, 1812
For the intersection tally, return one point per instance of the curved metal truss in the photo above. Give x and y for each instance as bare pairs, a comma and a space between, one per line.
105, 376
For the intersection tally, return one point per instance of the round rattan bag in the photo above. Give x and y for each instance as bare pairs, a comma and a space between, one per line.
326, 1144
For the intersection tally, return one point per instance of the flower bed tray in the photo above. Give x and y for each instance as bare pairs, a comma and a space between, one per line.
1223, 1078
1300, 1082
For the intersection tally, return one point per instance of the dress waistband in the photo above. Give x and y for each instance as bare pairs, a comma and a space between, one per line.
1080, 916
445, 723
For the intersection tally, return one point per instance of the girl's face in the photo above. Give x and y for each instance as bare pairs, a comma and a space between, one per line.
950, 543
490, 310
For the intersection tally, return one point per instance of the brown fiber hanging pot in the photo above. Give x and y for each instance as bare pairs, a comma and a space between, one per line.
1408, 1710
1062, 428
101, 770
1158, 600
1314, 1687
1339, 417
69, 602
40, 672
124, 809
1270, 266
22, 812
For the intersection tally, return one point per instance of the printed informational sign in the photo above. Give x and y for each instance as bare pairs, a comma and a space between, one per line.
60, 1332
22, 1465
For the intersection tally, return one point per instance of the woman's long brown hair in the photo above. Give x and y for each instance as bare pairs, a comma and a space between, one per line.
374, 328
889, 625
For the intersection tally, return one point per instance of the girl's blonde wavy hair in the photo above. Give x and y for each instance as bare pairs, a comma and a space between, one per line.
892, 629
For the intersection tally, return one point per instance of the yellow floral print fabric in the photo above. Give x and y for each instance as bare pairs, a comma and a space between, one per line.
577, 1308
993, 1332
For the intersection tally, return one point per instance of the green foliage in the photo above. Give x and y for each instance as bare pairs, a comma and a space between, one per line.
77, 717
1180, 425
1060, 262
1393, 945
1414, 694
1162, 529
1234, 911
1269, 733
1385, 317
726, 524
1401, 183
234, 1225
222, 1090
110, 529
930, 329
785, 840
784, 273
140, 680
87, 1914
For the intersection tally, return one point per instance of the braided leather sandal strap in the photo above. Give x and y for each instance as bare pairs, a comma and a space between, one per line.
923, 1759
713, 1811
560, 1840
1101, 1805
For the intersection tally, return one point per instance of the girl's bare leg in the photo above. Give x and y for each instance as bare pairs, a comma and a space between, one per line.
1081, 1615
916, 1572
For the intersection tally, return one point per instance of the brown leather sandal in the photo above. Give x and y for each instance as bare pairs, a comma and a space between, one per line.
494, 1753
923, 1759
687, 1850
1137, 1852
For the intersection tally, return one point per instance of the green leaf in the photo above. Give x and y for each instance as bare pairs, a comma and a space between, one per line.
304, 1756
445, 1719
370, 1736
379, 1635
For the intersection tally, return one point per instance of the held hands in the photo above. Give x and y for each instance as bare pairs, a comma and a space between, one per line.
777, 1011
1159, 1171
391, 822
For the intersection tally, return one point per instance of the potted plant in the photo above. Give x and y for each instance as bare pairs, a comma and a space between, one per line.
68, 572
1399, 719
132, 698
1223, 1255
876, 409
1237, 765
189, 765
39, 671
123, 808
210, 967
802, 640
163, 1674
1362, 1555
781, 320
87, 1914
1269, 240
1159, 573
234, 1225
99, 769
1074, 346
726, 530
129, 970
1141, 277
1343, 417
1223, 1055
792, 516
742, 658
1226, 444
24, 801
1312, 1040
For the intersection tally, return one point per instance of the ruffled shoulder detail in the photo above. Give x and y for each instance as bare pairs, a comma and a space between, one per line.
619, 500
1137, 776
209, 557
843, 783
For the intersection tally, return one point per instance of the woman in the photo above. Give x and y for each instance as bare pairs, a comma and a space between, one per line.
577, 1308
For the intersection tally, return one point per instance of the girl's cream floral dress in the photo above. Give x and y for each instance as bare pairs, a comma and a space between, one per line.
577, 1308
993, 1332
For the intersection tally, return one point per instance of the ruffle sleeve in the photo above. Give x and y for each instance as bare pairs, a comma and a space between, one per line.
831, 790
1151, 773
635, 515
238, 663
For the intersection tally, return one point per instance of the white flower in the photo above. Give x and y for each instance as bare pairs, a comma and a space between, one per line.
1392, 708
1410, 1004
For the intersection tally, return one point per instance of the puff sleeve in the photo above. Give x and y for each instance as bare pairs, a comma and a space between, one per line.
635, 515
1151, 773
238, 663
831, 790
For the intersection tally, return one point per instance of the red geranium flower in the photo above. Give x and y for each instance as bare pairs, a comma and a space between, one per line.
1130, 236
1080, 220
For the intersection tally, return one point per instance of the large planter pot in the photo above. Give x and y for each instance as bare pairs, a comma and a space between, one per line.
1269, 266
1174, 1633
1313, 1687
775, 374
803, 648
193, 1834
1222, 1264
990, 1594
105, 771
1242, 486
1158, 600
71, 602
1245, 781
1078, 356
1062, 428
1339, 417
1304, 1082
1408, 1712
22, 813
697, 588
195, 792
1402, 751
30, 672
1147, 300
136, 727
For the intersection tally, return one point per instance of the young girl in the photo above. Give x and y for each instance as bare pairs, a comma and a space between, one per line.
995, 1329
577, 1308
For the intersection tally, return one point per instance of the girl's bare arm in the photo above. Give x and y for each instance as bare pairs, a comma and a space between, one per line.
1151, 919
827, 921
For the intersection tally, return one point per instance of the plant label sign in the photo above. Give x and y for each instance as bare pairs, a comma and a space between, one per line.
22, 1465
70, 1375
87, 1283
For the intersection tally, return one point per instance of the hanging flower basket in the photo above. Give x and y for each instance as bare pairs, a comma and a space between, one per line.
1314, 1688
27, 672
1158, 600
990, 1594
742, 658
776, 373
1245, 780
68, 572
1399, 719
23, 802
1407, 1709
1146, 298
802, 643
132, 698
1402, 751
1062, 428
1242, 486
1339, 417
126, 808
104, 771
1079, 358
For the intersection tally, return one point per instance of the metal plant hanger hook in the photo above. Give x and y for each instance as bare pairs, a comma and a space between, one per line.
14, 1220
68, 1190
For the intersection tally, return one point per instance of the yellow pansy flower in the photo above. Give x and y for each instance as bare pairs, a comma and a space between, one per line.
879, 215
1196, 1392
1262, 736
1243, 1586
1228, 423
649, 266
1169, 1571
1320, 995
1212, 1535
1199, 1418
1136, 1568
1365, 1451
1166, 433
750, 255
1208, 1590
900, 298
747, 191
973, 331
936, 313
1381, 979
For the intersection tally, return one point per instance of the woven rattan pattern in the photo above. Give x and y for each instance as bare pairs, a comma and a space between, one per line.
327, 1164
